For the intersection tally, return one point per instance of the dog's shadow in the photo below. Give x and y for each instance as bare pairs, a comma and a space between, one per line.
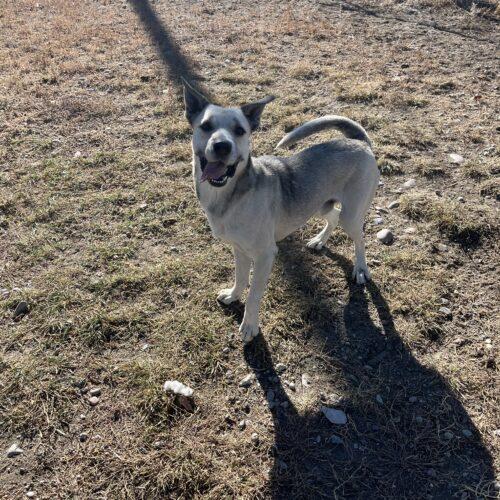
405, 431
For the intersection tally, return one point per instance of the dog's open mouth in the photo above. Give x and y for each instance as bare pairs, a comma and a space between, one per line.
216, 173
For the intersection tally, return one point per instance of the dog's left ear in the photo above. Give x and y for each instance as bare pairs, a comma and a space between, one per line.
194, 102
253, 111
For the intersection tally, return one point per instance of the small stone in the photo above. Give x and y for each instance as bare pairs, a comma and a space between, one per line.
394, 204
142, 206
77, 154
445, 311
4, 293
291, 385
242, 425
456, 158
337, 417
431, 473
410, 230
467, 433
496, 432
442, 247
334, 439
145, 347
83, 437
31, 494
448, 435
461, 199
255, 438
280, 368
419, 419
226, 350
306, 380
410, 183
14, 451
96, 391
94, 401
21, 309
444, 301
413, 399
378, 220
379, 400
496, 485
381, 210
270, 395
385, 236
247, 381
176, 387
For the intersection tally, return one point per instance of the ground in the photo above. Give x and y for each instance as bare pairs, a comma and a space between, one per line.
102, 237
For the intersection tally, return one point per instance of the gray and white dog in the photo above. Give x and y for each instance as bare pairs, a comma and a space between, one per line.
254, 202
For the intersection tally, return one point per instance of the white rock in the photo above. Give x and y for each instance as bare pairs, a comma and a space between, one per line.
457, 159
379, 399
280, 368
334, 416
442, 247
30, 494
94, 401
14, 451
385, 236
378, 220
393, 204
247, 381
4, 293
410, 183
306, 380
255, 438
96, 391
77, 154
176, 387
410, 230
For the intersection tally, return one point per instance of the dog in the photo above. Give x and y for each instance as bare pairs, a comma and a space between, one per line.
252, 203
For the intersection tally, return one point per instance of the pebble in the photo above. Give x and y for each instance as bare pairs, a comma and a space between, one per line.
337, 417
21, 309
4, 293
176, 387
280, 368
444, 301
410, 183
270, 395
461, 199
306, 380
31, 494
242, 425
496, 432
379, 400
83, 437
334, 439
145, 347
226, 350
14, 451
448, 435
442, 247
77, 154
456, 158
96, 391
385, 236
419, 419
445, 311
255, 439
94, 401
247, 381
291, 385
393, 204
378, 220
496, 485
467, 433
410, 230
381, 210
412, 399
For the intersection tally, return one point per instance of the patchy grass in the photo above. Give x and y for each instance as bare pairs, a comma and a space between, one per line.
102, 236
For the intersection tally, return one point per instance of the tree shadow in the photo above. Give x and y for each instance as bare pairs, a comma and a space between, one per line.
177, 63
405, 432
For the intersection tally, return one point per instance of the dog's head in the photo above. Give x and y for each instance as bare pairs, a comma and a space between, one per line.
221, 136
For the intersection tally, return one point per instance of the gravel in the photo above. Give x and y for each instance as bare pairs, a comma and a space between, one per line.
385, 236
247, 381
335, 416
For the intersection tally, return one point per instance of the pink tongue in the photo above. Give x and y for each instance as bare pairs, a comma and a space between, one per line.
213, 171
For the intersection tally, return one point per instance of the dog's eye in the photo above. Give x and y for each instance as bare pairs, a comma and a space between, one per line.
239, 131
206, 126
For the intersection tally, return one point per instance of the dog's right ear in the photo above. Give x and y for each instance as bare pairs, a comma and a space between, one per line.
194, 102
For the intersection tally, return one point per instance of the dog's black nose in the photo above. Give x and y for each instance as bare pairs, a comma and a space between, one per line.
222, 148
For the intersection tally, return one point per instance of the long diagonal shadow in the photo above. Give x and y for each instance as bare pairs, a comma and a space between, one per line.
409, 443
178, 64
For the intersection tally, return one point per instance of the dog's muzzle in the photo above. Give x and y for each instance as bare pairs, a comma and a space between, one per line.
221, 180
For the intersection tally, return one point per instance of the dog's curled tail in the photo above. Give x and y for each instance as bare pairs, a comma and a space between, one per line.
349, 128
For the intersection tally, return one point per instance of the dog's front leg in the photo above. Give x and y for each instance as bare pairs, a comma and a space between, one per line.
242, 272
263, 264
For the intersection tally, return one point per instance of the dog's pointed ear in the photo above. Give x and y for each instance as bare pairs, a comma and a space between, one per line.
194, 101
253, 111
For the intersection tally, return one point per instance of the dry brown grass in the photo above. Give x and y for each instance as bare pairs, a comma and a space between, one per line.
101, 234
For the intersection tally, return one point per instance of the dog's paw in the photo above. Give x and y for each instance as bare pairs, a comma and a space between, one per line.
361, 275
315, 243
227, 296
248, 331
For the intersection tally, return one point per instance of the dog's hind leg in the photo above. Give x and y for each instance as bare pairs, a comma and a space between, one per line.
242, 272
331, 214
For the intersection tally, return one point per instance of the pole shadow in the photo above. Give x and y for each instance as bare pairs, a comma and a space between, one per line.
397, 442
177, 63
